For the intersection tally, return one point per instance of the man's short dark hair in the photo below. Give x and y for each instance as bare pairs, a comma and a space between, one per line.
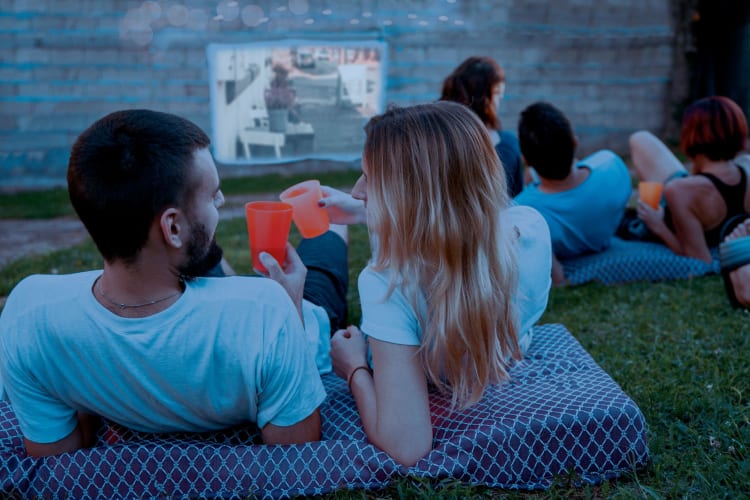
125, 169
547, 140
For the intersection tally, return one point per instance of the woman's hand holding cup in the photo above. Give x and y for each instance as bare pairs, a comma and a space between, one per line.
342, 207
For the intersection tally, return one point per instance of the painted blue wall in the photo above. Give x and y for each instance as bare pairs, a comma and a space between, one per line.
65, 63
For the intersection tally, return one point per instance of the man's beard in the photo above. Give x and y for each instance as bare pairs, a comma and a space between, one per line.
202, 255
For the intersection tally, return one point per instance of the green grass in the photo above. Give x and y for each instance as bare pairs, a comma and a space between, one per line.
676, 348
35, 204
55, 203
277, 183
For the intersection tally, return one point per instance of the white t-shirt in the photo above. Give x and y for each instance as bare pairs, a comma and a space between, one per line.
394, 320
229, 351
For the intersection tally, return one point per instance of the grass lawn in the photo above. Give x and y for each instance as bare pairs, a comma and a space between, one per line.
676, 348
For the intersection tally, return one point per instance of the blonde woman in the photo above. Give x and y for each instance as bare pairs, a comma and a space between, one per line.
456, 280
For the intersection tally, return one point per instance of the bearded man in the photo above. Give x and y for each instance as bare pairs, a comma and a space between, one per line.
149, 342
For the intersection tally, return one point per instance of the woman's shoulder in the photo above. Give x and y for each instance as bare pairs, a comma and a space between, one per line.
508, 137
376, 284
371, 277
523, 216
532, 229
689, 188
507, 144
693, 196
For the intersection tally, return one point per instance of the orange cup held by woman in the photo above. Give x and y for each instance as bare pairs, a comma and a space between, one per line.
650, 193
310, 219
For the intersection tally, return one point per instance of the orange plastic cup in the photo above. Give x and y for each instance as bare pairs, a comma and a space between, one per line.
650, 193
310, 219
268, 224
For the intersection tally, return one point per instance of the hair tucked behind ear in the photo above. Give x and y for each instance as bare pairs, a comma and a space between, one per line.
437, 189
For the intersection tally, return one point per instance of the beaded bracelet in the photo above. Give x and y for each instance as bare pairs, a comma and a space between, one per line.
351, 375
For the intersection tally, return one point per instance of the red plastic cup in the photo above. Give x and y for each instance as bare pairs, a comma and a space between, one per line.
310, 219
650, 193
268, 224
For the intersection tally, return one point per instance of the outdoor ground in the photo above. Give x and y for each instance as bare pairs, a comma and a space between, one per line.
25, 237
676, 348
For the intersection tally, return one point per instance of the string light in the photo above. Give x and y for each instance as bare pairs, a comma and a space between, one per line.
299, 7
140, 23
252, 15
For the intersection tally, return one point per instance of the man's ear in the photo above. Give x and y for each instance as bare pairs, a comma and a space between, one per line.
171, 228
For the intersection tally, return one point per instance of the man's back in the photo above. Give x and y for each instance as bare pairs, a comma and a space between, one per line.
584, 219
229, 351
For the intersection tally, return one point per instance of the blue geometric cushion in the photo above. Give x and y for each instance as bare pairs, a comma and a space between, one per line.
560, 413
629, 261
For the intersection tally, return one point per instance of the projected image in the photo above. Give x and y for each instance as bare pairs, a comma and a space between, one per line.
293, 100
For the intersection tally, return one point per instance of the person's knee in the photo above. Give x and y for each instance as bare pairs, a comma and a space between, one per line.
638, 139
342, 231
638, 143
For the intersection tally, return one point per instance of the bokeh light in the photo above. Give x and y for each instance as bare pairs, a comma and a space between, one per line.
229, 10
177, 15
197, 19
152, 9
299, 7
252, 15
141, 23
136, 25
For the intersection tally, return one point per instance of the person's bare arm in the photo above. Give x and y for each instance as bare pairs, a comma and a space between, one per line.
683, 198
302, 432
401, 423
81, 437
688, 229
393, 403
654, 220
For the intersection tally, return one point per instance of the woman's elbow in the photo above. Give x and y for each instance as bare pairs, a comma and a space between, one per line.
408, 452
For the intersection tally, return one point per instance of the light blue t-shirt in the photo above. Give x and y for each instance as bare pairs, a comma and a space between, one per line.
584, 219
229, 351
393, 319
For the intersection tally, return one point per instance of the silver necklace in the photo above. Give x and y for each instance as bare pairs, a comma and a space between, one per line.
121, 306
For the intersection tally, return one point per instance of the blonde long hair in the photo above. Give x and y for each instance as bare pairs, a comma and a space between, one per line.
435, 191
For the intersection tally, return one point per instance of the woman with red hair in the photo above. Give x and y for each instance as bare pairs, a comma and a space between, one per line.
695, 208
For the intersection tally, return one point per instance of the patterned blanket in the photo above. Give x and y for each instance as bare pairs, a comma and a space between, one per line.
628, 261
560, 414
